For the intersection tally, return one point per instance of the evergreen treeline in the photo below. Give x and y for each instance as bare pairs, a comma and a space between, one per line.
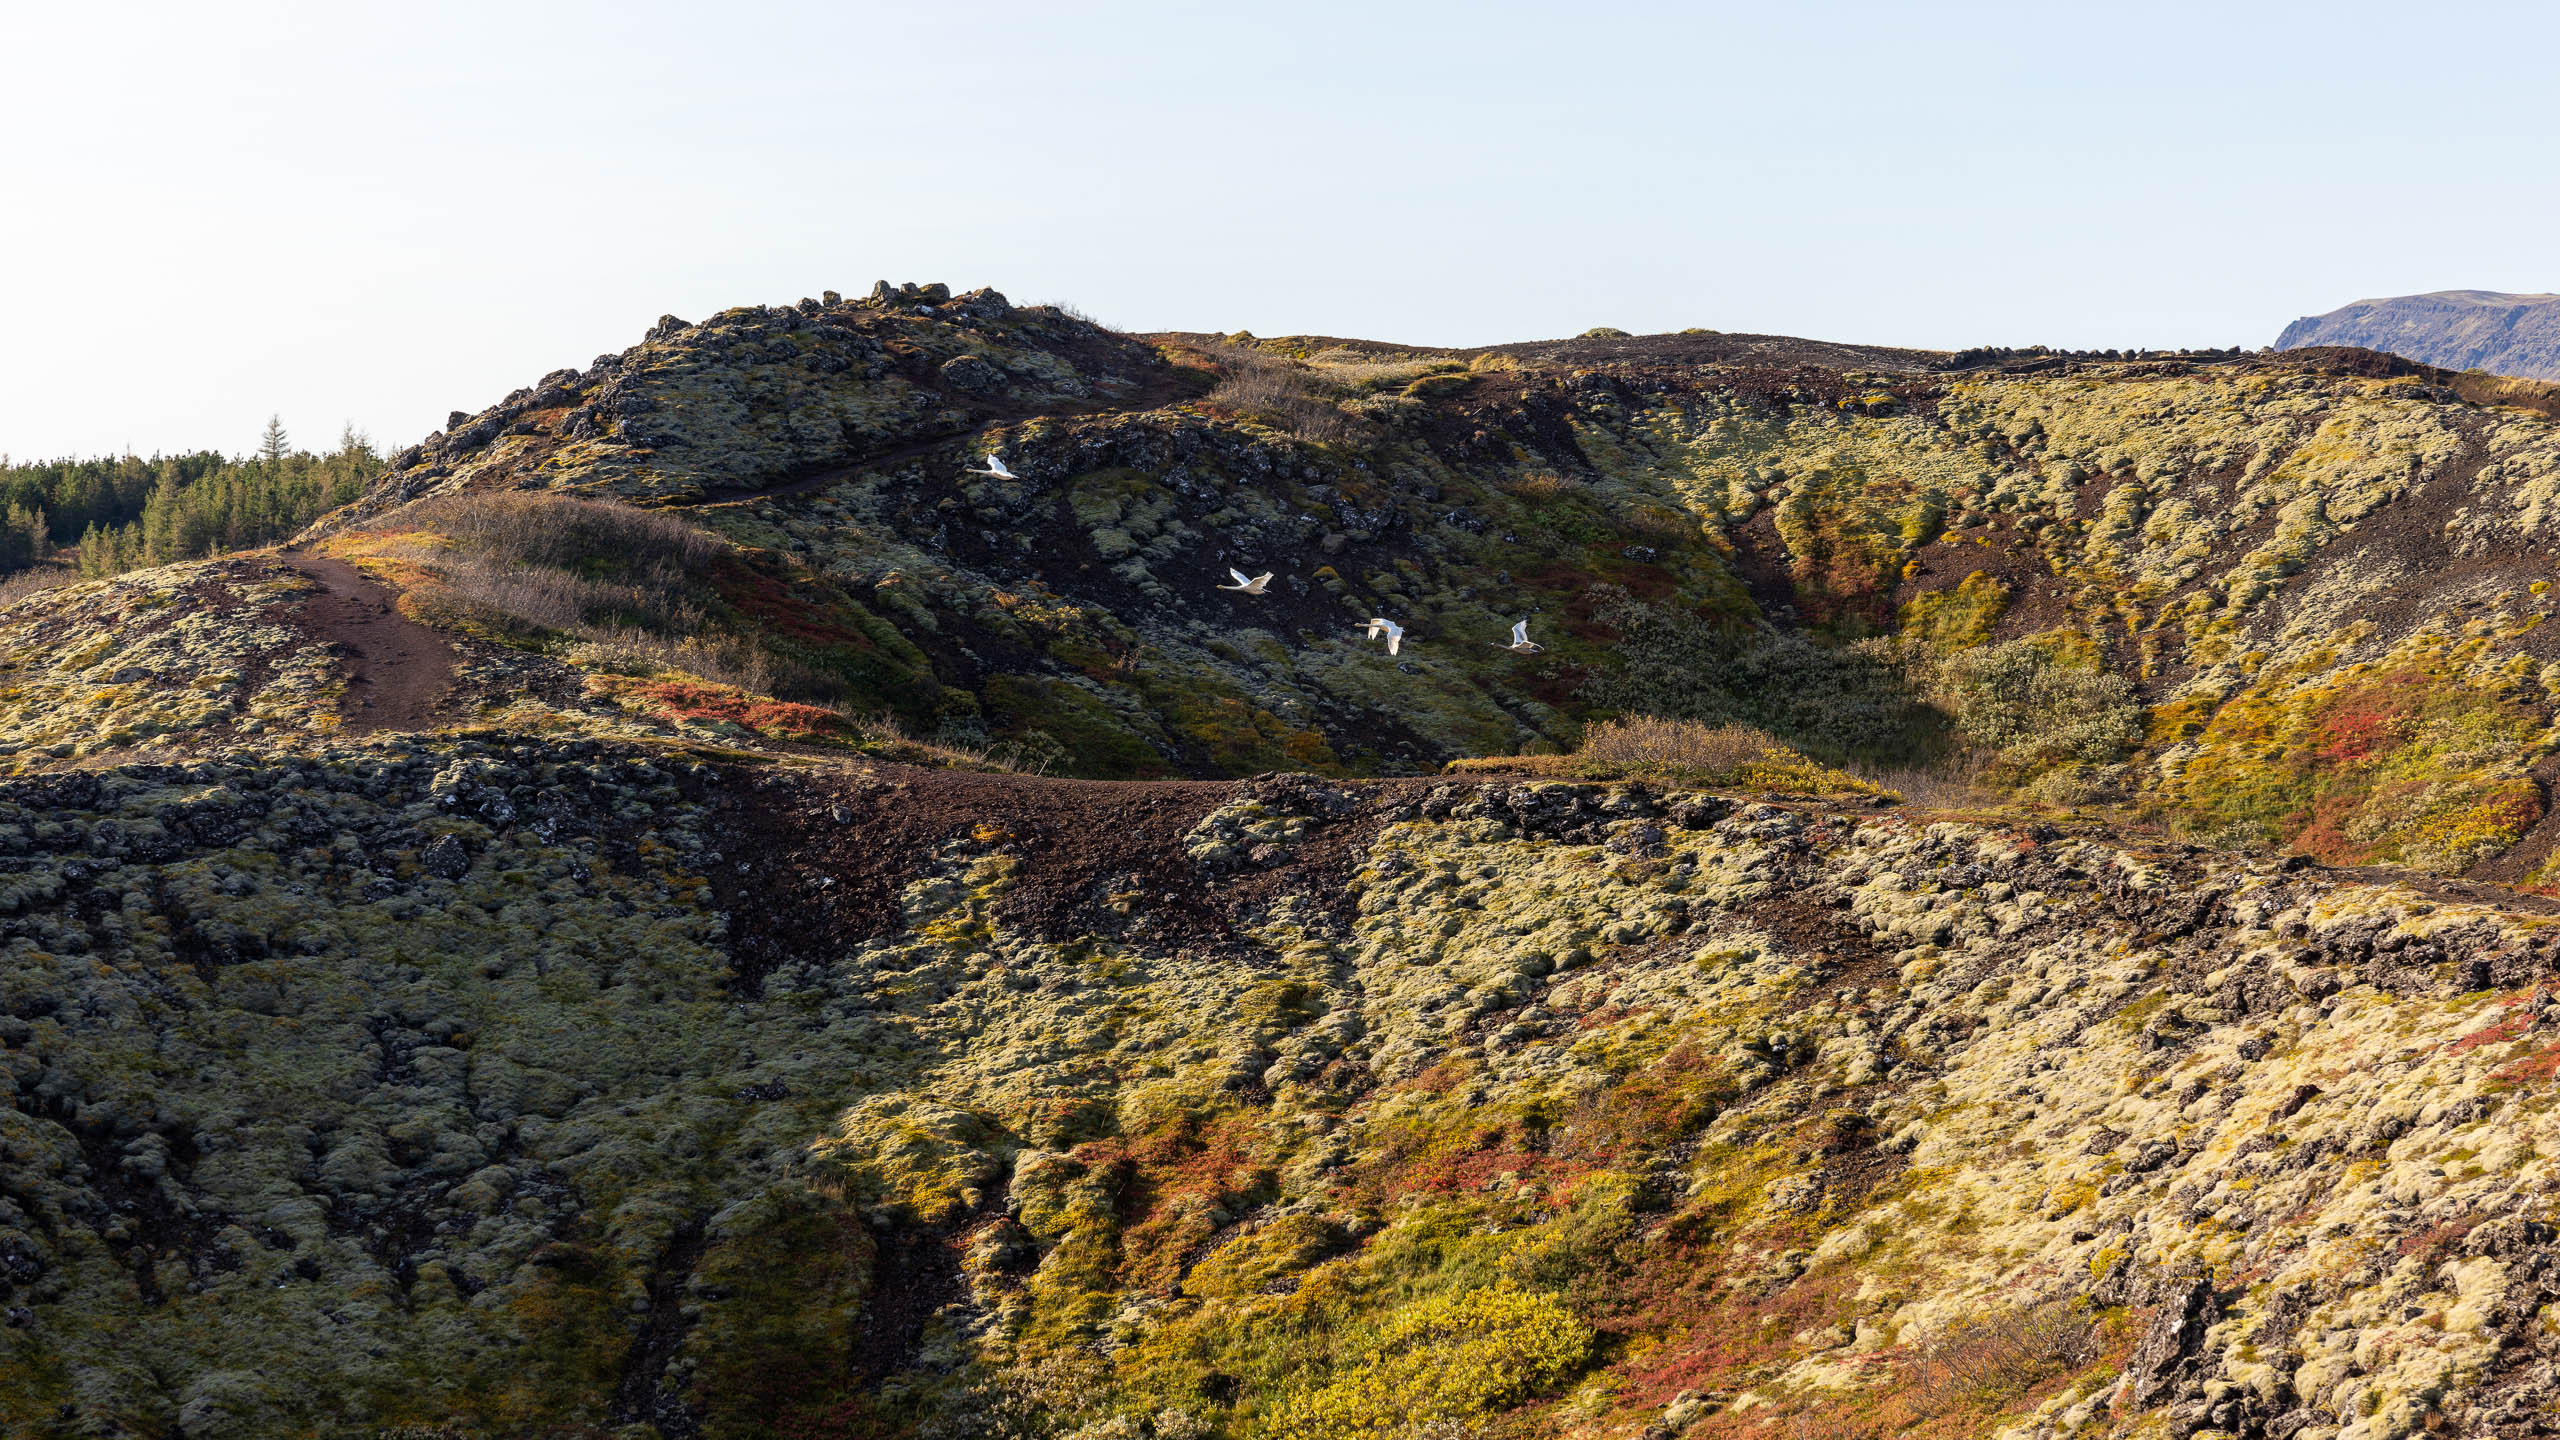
129, 512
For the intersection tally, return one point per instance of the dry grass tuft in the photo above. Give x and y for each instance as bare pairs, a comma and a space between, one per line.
1649, 740
1076, 312
35, 581
596, 569
1279, 393
2008, 1353
615, 589
883, 735
564, 532
1359, 373
1546, 486
1686, 752
628, 596
1961, 784
632, 651
1962, 1383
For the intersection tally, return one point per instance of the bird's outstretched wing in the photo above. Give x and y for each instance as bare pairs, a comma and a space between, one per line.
1262, 579
1395, 638
996, 464
1520, 633
1241, 577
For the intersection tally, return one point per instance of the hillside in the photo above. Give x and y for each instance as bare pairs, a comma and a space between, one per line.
488, 1086
2266, 550
694, 907
2458, 329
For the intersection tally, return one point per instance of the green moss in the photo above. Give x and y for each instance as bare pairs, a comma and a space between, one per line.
1254, 1263
1093, 737
1959, 618
785, 1287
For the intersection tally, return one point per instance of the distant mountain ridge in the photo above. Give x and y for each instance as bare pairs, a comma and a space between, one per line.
2457, 329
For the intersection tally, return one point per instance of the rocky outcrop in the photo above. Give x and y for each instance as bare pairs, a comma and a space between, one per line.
763, 395
2457, 329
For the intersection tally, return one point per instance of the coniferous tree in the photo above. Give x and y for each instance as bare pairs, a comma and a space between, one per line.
128, 512
14, 551
272, 444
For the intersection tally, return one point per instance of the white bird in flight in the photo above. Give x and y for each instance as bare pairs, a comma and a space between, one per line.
1379, 624
1520, 644
1247, 585
995, 467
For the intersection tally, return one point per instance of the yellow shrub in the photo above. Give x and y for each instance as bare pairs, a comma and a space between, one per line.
1682, 752
1454, 1357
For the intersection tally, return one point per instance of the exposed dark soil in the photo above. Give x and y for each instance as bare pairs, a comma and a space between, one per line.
811, 863
397, 669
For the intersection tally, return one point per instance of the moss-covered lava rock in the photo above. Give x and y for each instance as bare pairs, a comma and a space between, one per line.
504, 1087
478, 972
1740, 528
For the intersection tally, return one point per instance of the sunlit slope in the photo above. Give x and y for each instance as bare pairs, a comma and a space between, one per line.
2322, 584
503, 1087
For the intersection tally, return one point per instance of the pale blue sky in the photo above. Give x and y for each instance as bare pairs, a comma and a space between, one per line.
379, 213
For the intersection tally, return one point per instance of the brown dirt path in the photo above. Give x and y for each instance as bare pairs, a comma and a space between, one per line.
397, 669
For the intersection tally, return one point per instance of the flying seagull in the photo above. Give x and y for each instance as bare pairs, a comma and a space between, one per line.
995, 467
1379, 624
1520, 644
1245, 585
